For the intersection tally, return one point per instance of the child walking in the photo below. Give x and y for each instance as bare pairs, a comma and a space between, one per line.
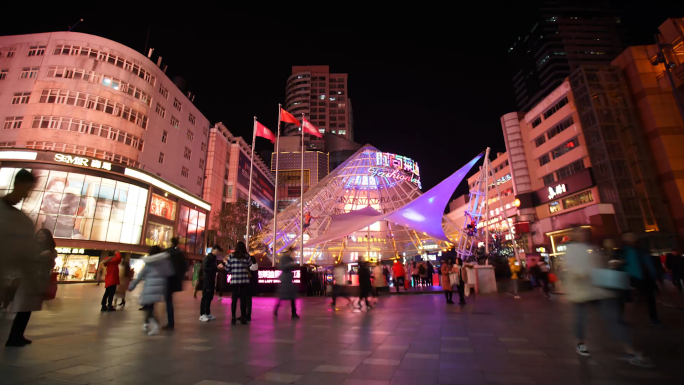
155, 273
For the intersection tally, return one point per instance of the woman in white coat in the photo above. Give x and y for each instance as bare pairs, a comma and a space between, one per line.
34, 280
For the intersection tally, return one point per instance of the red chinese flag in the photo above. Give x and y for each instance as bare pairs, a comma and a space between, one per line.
288, 117
264, 132
311, 129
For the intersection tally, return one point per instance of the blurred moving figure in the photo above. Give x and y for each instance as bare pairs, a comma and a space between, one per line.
111, 281
34, 278
675, 264
287, 289
175, 281
639, 266
339, 284
157, 270
447, 285
582, 263
378, 280
253, 282
365, 286
399, 275
514, 265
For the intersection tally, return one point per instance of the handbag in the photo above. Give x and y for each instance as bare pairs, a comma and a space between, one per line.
453, 278
51, 291
553, 278
610, 279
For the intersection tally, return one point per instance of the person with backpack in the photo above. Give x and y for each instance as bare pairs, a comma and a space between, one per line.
516, 270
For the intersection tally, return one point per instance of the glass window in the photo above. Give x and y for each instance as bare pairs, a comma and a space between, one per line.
158, 234
73, 206
578, 199
548, 179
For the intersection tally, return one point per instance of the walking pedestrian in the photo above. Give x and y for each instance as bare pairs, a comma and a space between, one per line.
210, 269
580, 264
461, 278
675, 264
514, 266
111, 281
399, 275
640, 268
16, 232
253, 284
378, 281
365, 286
446, 282
543, 279
174, 282
124, 279
34, 278
287, 289
422, 270
339, 283
415, 274
238, 268
429, 273
158, 268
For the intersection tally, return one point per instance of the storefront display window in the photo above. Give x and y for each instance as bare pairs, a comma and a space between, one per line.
158, 235
578, 199
554, 207
162, 207
76, 267
191, 230
78, 206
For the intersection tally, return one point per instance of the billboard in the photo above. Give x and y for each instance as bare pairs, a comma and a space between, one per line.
262, 188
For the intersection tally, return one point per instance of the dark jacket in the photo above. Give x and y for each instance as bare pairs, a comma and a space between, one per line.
209, 268
175, 282
364, 279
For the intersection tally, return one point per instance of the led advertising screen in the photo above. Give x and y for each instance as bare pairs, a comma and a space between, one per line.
262, 188
78, 206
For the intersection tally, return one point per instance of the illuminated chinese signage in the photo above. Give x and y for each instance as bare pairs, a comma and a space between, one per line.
69, 250
558, 190
162, 207
273, 276
79, 161
395, 166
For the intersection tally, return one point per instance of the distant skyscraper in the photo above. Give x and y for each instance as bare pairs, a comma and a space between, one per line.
562, 36
323, 98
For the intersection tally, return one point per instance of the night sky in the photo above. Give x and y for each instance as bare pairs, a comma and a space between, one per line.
427, 83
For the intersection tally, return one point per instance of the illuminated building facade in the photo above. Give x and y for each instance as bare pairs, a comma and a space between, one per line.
80, 94
227, 178
94, 207
560, 37
662, 123
323, 98
290, 174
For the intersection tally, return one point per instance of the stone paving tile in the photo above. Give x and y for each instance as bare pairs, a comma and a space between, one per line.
279, 377
334, 369
373, 372
381, 361
79, 369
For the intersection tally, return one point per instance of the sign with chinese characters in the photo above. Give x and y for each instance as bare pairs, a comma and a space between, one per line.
558, 190
263, 189
85, 162
69, 250
561, 249
273, 276
395, 166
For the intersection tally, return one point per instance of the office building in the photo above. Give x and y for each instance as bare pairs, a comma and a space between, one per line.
560, 36
290, 171
659, 114
227, 178
323, 98
118, 150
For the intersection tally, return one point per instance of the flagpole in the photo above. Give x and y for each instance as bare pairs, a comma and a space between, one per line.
301, 202
275, 197
249, 193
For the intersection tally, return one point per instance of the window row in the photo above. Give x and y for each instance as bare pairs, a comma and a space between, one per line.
570, 169
93, 102
29, 73
21, 98
118, 61
81, 150
557, 129
98, 78
3, 74
12, 122
564, 148
82, 126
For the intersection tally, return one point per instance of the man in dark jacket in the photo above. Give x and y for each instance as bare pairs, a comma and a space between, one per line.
174, 283
210, 269
365, 285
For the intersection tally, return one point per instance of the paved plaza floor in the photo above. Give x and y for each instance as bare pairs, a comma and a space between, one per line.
405, 340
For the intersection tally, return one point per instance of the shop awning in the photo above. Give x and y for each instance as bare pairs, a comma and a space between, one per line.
423, 215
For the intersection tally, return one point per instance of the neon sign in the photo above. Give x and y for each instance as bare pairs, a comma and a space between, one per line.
560, 189
396, 167
77, 160
273, 276
69, 250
